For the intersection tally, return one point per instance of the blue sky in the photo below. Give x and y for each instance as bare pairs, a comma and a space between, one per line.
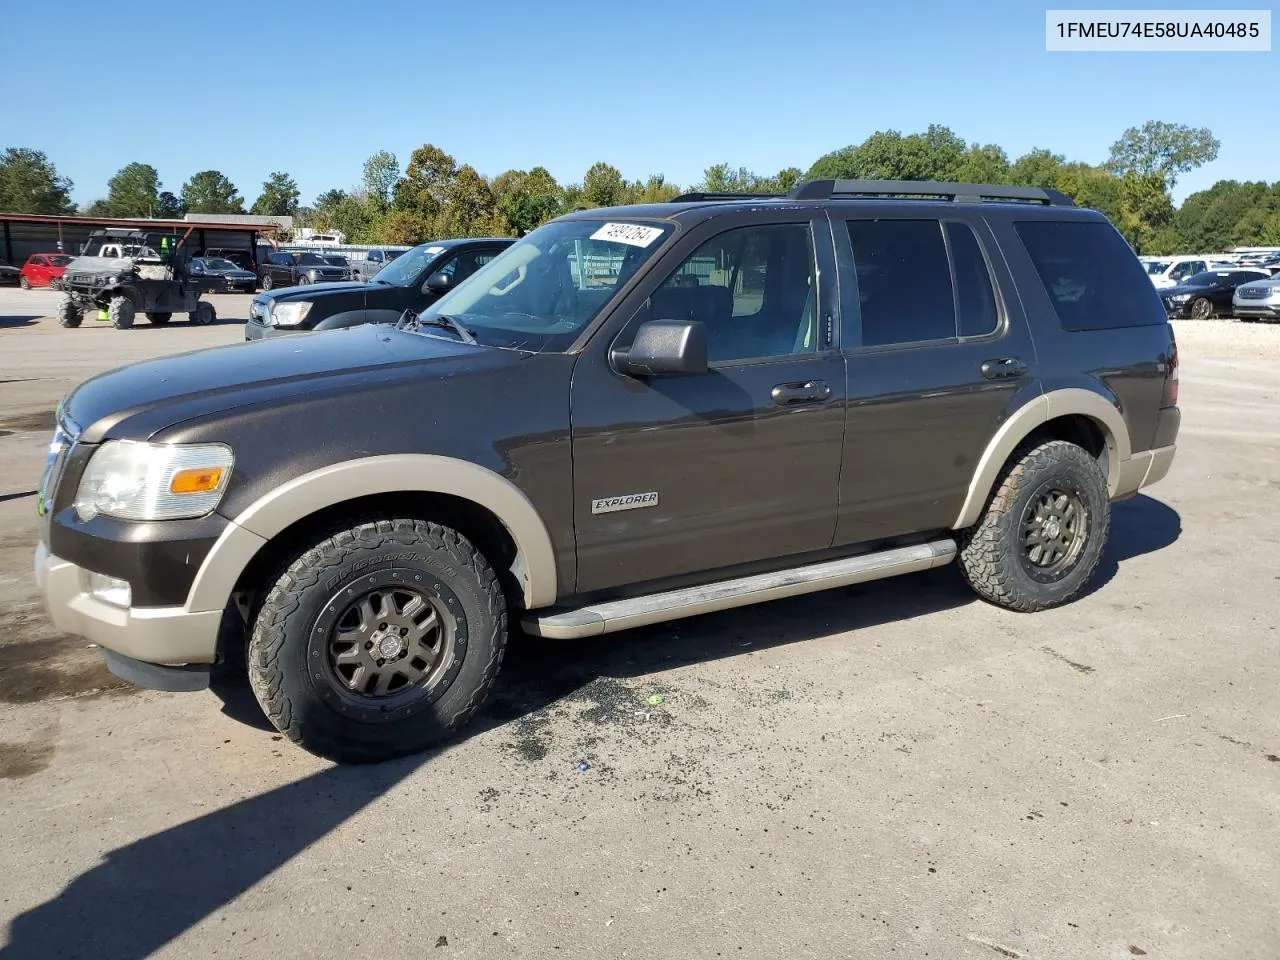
672, 87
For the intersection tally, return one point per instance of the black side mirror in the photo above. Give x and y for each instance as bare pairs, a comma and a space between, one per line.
439, 282
665, 347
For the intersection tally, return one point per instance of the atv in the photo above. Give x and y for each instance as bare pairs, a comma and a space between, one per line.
122, 272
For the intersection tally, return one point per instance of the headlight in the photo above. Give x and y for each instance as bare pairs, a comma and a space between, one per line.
1180, 298
153, 481
289, 314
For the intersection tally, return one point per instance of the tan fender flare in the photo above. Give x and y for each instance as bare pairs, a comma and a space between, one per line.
1023, 421
534, 567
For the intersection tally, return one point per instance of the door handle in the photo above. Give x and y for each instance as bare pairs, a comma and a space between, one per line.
1003, 367
804, 391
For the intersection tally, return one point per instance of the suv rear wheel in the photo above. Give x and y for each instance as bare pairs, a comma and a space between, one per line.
378, 641
1042, 534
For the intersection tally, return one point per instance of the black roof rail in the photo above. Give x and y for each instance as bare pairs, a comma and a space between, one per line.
958, 192
696, 197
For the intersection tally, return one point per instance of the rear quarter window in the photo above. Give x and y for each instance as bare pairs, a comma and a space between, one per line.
1092, 278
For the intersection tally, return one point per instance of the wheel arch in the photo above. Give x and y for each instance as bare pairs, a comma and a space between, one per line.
1089, 419
517, 542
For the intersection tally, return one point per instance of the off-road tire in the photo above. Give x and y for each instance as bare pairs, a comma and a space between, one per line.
287, 648
24, 283
203, 314
159, 319
1201, 309
121, 311
267, 283
69, 313
990, 554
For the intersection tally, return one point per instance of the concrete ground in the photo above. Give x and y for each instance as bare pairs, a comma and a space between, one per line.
891, 770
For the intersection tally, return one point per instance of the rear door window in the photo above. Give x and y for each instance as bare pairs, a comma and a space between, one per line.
921, 281
1091, 275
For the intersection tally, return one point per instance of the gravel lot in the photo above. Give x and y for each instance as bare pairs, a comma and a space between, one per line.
894, 769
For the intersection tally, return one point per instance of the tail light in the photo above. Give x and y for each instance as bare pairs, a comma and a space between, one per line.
1171, 379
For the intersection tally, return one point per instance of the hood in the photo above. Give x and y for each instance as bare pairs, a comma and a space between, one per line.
313, 290
100, 265
137, 400
1269, 282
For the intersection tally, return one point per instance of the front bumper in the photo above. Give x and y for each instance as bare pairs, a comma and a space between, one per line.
1265, 309
256, 331
157, 635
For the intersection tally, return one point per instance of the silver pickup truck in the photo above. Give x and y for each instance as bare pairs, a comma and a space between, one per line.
373, 262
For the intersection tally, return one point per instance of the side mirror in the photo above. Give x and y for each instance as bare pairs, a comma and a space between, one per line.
439, 282
665, 347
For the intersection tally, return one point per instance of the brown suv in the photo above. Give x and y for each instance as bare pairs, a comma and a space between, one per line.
630, 415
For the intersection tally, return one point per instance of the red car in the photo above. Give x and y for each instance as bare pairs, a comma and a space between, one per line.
41, 268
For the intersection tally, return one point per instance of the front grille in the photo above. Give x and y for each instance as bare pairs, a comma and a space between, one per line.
1256, 293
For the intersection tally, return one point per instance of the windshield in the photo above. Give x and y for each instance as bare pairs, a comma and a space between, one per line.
1156, 267
335, 261
408, 267
220, 265
60, 260
541, 292
308, 259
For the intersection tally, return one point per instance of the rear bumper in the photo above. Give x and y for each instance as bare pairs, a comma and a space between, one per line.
157, 635
1143, 469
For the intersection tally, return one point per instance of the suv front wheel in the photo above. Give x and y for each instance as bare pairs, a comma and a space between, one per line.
378, 641
1043, 531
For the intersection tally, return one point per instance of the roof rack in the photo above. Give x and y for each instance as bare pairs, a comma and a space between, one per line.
697, 197
957, 192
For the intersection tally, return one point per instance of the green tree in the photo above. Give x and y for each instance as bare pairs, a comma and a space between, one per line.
424, 187
527, 200
1163, 149
983, 163
655, 189
29, 183
1037, 168
603, 186
469, 209
134, 191
1145, 207
279, 197
936, 154
168, 206
209, 191
381, 171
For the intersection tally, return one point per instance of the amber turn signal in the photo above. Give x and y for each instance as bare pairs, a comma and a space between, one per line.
196, 480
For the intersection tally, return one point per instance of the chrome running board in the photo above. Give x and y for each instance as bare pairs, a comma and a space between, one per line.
598, 618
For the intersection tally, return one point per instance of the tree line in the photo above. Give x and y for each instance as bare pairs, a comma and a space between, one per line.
434, 196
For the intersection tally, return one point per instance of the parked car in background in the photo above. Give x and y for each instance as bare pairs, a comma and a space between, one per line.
234, 277
8, 273
374, 261
41, 269
1171, 271
1257, 299
322, 240
413, 282
1207, 294
293, 269
241, 258
334, 260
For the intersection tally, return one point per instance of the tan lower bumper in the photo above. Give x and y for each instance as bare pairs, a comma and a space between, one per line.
1143, 469
166, 635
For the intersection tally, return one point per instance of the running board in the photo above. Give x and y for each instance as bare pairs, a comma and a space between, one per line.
599, 618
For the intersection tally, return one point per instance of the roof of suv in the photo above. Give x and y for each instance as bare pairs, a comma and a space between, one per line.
817, 193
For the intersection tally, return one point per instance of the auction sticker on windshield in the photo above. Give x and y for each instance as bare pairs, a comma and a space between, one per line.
629, 233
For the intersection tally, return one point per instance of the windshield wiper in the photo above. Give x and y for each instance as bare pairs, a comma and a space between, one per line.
448, 323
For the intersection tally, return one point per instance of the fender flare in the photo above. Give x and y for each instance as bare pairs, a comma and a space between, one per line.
254, 527
1023, 422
